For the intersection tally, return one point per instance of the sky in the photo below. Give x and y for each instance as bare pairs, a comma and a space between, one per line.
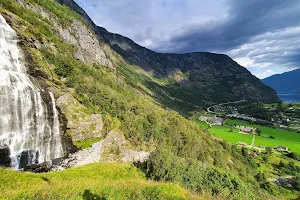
261, 35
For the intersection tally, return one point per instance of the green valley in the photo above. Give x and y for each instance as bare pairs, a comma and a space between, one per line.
281, 137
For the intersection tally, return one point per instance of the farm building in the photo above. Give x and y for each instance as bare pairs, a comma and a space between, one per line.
216, 121
203, 118
246, 129
282, 148
243, 144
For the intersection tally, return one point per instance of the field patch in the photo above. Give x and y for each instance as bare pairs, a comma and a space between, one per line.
281, 137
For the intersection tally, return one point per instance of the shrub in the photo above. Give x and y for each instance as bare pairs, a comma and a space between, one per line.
163, 165
269, 150
294, 155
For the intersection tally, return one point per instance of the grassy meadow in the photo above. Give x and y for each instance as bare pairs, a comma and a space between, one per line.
95, 181
84, 144
282, 137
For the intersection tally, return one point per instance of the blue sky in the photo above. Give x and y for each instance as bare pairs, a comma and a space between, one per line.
261, 35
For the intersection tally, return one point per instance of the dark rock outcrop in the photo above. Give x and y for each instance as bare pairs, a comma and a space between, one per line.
28, 156
4, 156
43, 167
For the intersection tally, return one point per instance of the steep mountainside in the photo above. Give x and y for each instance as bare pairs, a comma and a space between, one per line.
284, 83
196, 79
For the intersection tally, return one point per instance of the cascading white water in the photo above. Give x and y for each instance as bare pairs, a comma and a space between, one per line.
29, 128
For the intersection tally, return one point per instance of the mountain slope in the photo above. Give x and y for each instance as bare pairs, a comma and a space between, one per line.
197, 79
284, 83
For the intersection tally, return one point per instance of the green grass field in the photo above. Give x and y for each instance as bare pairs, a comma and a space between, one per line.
224, 133
95, 181
282, 137
203, 124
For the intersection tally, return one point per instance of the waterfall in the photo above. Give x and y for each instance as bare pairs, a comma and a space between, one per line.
29, 127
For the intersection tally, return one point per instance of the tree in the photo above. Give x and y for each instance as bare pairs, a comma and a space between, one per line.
281, 164
245, 151
266, 158
226, 145
297, 183
295, 156
110, 123
269, 150
258, 131
261, 177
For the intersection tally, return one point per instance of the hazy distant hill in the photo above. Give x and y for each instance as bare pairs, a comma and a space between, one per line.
286, 82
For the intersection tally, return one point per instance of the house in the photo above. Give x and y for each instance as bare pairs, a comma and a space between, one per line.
282, 148
283, 126
243, 144
245, 129
216, 121
203, 118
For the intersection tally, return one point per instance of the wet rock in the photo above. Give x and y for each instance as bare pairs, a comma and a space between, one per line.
4, 156
38, 168
28, 156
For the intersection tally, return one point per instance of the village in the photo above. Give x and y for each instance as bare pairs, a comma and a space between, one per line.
277, 130
246, 130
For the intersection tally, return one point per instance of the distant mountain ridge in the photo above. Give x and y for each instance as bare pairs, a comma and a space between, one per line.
205, 78
287, 82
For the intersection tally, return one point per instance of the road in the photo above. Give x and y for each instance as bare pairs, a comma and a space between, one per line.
221, 104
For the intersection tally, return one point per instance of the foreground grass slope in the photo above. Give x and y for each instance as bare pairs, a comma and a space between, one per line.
95, 181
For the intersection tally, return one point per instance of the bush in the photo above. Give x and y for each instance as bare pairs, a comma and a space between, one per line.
294, 155
261, 177
245, 151
163, 165
269, 150
297, 183
272, 189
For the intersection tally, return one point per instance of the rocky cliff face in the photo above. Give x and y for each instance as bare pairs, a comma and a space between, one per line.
209, 77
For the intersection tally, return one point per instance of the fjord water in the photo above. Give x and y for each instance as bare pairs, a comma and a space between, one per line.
29, 127
289, 97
